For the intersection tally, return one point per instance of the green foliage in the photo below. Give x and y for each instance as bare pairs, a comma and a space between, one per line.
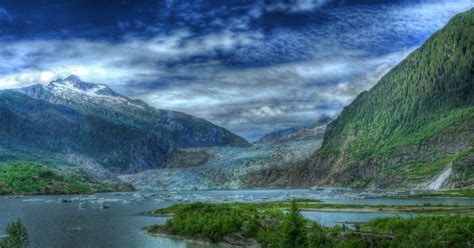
427, 231
209, 221
17, 236
319, 237
351, 241
29, 178
293, 230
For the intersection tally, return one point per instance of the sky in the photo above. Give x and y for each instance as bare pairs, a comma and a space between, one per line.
250, 66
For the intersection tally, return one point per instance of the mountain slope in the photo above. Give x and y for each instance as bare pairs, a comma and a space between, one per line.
171, 127
416, 122
35, 130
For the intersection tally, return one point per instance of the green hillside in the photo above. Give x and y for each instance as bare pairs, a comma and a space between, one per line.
422, 97
30, 179
415, 122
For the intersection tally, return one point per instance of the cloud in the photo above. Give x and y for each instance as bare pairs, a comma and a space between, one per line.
133, 60
252, 101
239, 72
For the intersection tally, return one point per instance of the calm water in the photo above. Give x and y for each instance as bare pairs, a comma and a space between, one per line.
57, 225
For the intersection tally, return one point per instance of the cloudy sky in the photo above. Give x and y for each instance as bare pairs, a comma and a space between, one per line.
249, 66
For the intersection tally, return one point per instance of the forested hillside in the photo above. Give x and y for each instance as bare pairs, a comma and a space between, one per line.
417, 121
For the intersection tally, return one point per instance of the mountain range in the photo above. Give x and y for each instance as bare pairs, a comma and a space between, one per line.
413, 129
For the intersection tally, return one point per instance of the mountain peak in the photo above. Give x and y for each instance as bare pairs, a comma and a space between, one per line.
74, 83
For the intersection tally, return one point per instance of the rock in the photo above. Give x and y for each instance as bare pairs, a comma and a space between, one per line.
267, 222
238, 240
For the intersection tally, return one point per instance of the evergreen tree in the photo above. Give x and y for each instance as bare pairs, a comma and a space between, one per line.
294, 229
17, 236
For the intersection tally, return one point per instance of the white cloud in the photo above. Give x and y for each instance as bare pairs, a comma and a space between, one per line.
302, 69
133, 60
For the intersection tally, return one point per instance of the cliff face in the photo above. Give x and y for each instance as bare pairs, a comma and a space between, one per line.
413, 125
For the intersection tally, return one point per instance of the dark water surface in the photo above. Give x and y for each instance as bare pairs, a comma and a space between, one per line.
54, 224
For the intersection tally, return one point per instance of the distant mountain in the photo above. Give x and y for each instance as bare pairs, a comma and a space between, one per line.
315, 130
414, 128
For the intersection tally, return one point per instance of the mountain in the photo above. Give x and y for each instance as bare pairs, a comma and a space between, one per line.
171, 127
414, 128
315, 130
36, 130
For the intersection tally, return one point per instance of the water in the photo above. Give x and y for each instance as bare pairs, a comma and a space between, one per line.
56, 225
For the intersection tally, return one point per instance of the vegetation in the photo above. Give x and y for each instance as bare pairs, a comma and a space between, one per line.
17, 236
273, 226
422, 97
28, 178
426, 231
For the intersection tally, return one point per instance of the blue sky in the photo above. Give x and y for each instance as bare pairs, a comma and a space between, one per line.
249, 66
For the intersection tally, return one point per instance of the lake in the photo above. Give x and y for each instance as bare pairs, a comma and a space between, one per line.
114, 219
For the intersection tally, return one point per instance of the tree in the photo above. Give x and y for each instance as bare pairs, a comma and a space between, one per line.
294, 231
17, 236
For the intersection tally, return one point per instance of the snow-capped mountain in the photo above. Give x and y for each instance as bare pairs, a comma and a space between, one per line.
174, 128
72, 122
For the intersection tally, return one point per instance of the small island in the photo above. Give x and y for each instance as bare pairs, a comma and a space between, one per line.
280, 224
